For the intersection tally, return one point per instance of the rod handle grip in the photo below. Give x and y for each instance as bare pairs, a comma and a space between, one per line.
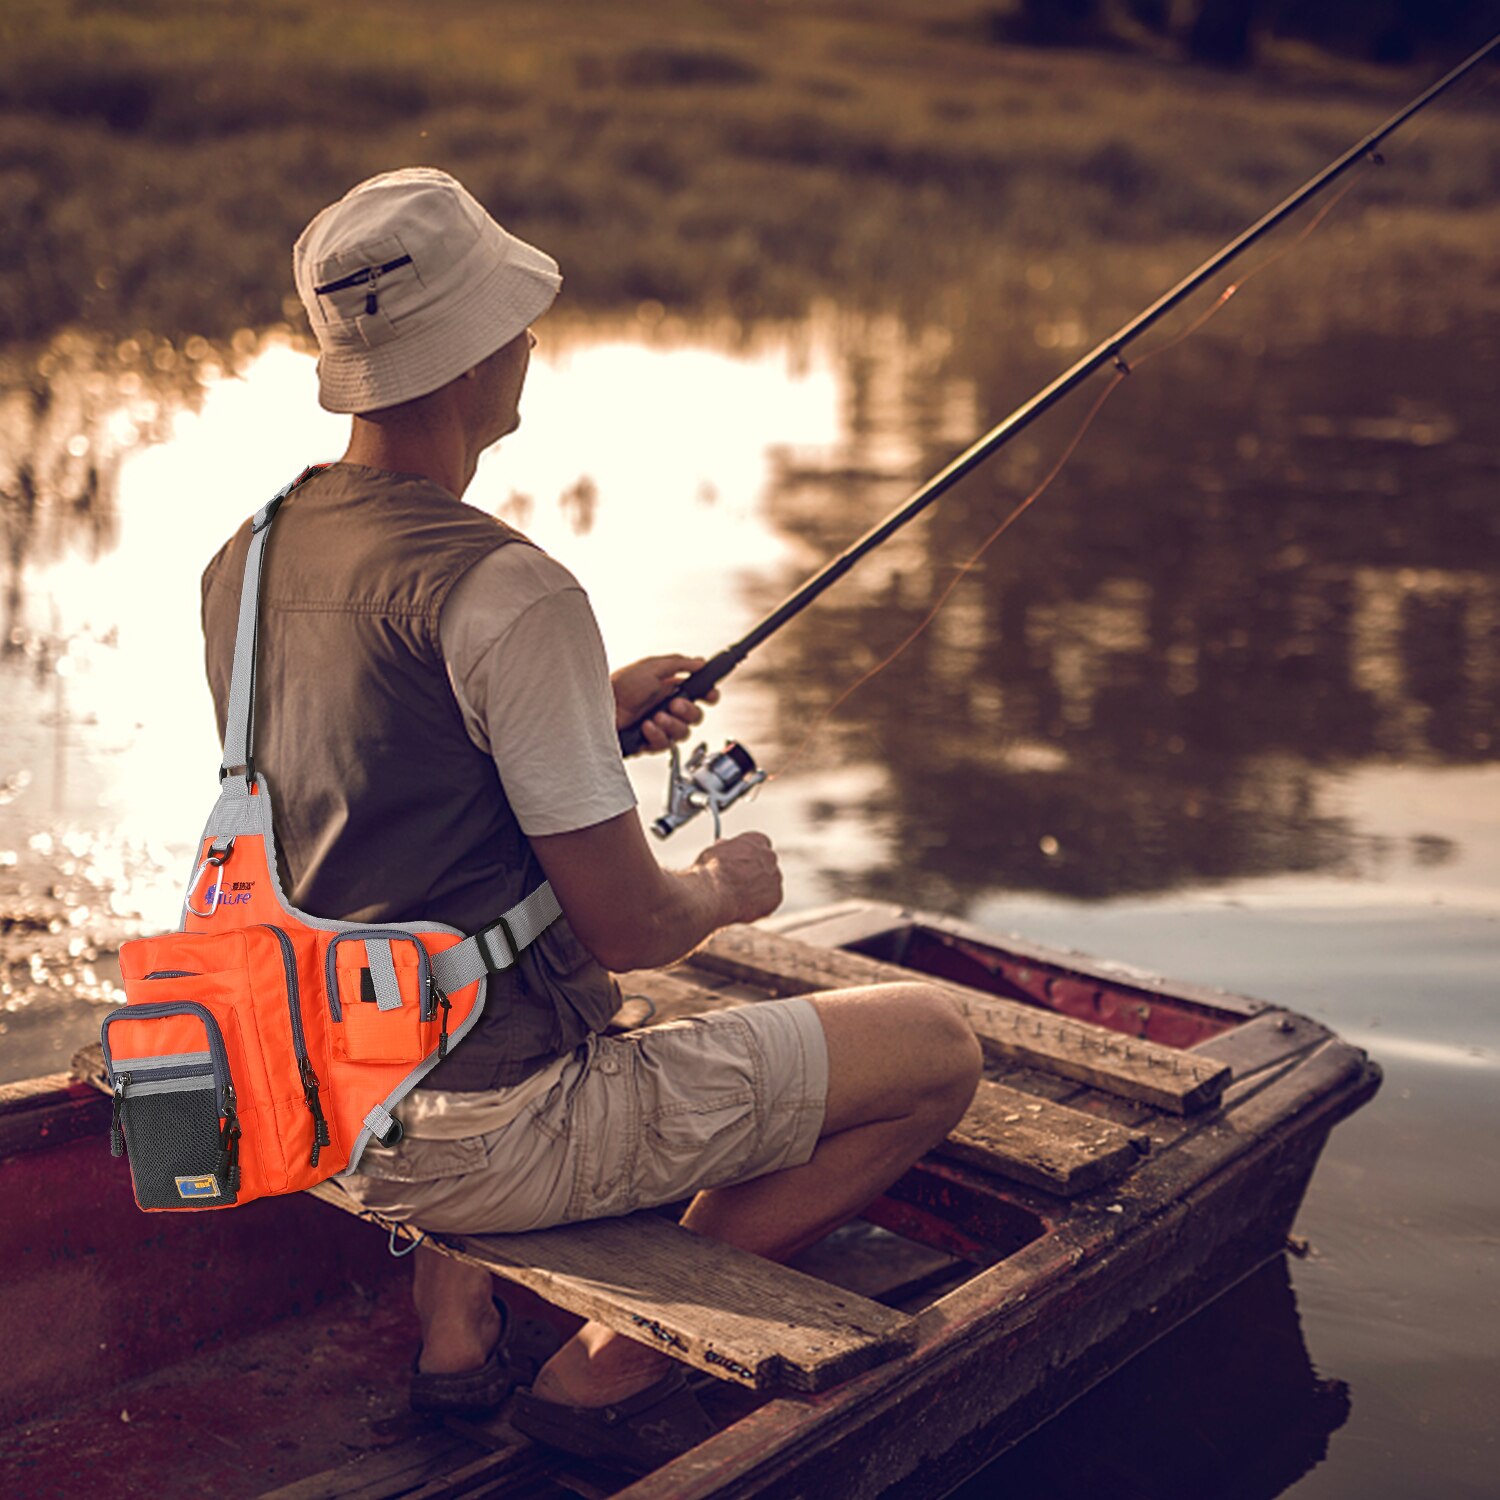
695, 687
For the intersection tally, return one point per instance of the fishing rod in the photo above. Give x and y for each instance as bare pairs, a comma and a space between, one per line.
715, 782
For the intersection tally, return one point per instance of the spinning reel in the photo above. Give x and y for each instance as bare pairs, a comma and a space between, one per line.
713, 782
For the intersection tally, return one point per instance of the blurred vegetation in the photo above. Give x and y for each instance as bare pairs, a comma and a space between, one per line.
157, 157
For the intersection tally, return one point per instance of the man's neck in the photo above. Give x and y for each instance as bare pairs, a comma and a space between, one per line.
417, 439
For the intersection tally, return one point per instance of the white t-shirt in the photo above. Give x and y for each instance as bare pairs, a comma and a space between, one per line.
528, 669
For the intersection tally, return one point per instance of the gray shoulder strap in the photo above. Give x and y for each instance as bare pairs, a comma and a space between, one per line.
499, 945
239, 719
490, 950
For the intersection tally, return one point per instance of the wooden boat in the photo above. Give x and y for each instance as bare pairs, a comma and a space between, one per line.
1136, 1149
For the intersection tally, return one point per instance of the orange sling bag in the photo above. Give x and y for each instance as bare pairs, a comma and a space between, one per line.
261, 1048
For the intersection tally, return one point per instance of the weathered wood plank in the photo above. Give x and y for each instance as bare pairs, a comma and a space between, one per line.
494, 1474
1044, 1145
380, 1474
1181, 1082
36, 1113
729, 1313
1271, 1038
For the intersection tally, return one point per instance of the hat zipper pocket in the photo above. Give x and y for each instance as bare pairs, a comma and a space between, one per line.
175, 1113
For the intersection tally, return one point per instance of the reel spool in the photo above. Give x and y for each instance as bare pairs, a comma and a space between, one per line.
714, 784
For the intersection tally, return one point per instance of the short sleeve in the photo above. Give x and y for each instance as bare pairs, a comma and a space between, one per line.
529, 671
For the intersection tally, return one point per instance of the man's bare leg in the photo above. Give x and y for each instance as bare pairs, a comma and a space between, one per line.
455, 1303
902, 1068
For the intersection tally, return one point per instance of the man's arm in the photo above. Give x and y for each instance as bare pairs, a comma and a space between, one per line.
632, 914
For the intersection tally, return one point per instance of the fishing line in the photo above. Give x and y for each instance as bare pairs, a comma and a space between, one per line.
718, 782
1234, 287
968, 565
1121, 370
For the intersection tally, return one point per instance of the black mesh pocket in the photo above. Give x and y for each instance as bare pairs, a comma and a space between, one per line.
175, 1146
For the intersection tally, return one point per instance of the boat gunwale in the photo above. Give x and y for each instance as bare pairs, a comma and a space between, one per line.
978, 1314
843, 923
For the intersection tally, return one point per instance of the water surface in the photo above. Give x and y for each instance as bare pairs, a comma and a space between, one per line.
1224, 705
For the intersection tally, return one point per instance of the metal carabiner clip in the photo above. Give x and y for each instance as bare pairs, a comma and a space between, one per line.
216, 860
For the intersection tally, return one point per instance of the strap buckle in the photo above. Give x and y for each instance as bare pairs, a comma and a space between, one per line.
267, 513
481, 939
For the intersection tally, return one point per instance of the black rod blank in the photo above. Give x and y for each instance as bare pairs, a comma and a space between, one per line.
703, 681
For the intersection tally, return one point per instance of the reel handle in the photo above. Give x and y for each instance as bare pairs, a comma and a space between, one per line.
696, 687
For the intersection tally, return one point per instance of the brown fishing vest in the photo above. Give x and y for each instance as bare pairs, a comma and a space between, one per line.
385, 809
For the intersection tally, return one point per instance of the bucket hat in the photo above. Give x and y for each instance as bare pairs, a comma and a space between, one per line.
408, 282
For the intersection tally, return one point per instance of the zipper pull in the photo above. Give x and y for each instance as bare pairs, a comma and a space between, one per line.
227, 1166
321, 1137
116, 1134
447, 1006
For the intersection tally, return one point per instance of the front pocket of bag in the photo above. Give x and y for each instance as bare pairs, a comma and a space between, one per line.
175, 1113
380, 997
248, 978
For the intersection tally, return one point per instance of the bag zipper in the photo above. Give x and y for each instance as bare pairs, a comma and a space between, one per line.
116, 1134
309, 1078
439, 997
150, 1072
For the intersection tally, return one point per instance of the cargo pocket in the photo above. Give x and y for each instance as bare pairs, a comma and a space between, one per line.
382, 998
423, 1161
691, 1147
175, 1113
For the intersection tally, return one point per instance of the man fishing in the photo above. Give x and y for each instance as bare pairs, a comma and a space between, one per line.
435, 711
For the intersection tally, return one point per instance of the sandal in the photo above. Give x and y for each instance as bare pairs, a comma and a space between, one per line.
638, 1434
472, 1393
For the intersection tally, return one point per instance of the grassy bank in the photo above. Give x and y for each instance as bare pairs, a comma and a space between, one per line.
157, 157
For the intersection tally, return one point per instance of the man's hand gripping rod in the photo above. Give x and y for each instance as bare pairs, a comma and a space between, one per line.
706, 782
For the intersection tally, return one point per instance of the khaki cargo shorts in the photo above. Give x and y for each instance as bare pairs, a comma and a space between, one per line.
627, 1122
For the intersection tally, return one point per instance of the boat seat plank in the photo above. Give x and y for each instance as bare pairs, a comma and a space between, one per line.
1271, 1039
1179, 1082
1045, 1145
726, 1312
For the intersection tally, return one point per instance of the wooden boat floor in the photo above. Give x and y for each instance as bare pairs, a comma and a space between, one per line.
233, 1421
309, 1409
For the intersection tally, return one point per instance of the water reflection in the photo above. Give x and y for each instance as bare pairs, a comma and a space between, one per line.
1160, 674
1259, 575
1226, 1405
